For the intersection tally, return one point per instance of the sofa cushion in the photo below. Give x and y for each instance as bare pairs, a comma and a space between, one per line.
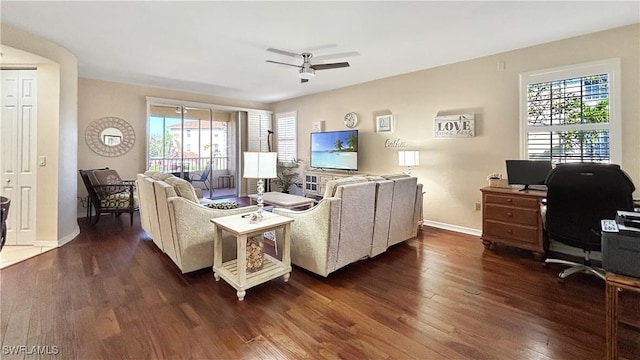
375, 178
183, 188
395, 176
223, 205
332, 185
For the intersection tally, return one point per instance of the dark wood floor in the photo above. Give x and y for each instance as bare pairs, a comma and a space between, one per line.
111, 294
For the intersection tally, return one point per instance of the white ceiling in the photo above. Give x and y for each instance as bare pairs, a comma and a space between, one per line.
219, 48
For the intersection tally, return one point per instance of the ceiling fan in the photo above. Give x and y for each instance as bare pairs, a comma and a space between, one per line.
307, 70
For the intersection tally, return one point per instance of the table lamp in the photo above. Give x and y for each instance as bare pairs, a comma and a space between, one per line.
260, 165
408, 159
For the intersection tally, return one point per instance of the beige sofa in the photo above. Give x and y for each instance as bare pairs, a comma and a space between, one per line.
358, 217
178, 224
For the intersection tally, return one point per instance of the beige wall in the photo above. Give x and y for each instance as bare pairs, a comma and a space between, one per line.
56, 133
454, 169
98, 99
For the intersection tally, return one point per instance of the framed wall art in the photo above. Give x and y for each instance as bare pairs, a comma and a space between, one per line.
384, 123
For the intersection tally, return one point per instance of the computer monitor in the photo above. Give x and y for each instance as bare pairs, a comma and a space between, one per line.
528, 172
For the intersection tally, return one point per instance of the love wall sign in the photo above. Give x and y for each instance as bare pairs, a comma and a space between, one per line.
454, 126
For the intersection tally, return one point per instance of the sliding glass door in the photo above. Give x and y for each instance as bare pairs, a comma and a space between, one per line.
196, 144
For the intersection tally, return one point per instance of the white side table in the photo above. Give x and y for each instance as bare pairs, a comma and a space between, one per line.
234, 271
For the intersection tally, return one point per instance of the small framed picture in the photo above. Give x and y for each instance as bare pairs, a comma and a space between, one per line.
384, 123
112, 140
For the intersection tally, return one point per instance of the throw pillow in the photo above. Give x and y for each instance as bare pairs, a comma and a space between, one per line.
105, 181
156, 175
183, 188
224, 205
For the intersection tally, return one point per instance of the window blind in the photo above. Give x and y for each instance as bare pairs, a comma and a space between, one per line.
286, 136
569, 114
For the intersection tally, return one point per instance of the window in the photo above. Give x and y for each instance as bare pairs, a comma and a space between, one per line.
286, 125
570, 114
179, 144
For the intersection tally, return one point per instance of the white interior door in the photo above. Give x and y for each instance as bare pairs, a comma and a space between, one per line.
18, 153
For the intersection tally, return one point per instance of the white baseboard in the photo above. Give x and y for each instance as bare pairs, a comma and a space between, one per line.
456, 228
69, 237
45, 243
60, 242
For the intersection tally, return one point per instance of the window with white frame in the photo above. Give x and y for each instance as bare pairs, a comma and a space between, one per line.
286, 132
570, 114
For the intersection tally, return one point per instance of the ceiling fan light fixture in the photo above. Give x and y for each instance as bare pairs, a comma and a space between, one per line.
307, 73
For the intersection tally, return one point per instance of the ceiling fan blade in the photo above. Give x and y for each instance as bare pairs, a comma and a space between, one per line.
302, 81
335, 56
283, 52
329, 66
281, 63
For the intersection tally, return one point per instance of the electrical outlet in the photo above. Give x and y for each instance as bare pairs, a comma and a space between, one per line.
478, 206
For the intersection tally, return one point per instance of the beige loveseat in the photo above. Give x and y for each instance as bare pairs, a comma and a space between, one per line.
179, 225
358, 217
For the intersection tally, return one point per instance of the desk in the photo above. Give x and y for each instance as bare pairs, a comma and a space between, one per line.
513, 218
283, 200
615, 284
234, 271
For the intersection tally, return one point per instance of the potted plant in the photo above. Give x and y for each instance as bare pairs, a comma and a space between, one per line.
286, 174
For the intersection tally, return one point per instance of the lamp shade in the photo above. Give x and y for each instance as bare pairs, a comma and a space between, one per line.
260, 165
408, 158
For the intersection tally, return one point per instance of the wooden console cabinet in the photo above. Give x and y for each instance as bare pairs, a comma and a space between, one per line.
512, 217
315, 181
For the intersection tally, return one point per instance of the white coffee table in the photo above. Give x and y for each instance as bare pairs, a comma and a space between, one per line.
234, 271
283, 200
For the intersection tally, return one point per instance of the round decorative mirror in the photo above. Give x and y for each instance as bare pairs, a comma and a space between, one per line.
110, 136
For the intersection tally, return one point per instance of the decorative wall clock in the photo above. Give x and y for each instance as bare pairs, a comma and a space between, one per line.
351, 120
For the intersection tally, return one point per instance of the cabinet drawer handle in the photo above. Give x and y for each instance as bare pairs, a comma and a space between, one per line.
509, 214
509, 231
509, 200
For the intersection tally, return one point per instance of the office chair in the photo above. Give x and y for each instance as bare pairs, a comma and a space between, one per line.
579, 195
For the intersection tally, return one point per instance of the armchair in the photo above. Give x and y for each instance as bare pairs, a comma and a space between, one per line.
578, 197
108, 193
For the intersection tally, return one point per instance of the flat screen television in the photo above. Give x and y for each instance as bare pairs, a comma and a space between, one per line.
528, 173
334, 150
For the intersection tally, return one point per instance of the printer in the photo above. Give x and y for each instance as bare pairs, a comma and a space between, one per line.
621, 249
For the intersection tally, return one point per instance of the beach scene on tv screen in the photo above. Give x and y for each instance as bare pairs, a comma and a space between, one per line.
335, 150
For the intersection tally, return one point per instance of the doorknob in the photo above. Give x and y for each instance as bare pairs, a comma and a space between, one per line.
8, 181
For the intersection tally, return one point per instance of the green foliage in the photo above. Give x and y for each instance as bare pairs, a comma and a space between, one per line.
352, 142
286, 174
550, 105
339, 145
158, 143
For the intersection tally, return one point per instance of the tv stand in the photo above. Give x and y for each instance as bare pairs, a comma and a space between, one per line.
315, 180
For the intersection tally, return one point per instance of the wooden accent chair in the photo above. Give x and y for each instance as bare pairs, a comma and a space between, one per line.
108, 193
